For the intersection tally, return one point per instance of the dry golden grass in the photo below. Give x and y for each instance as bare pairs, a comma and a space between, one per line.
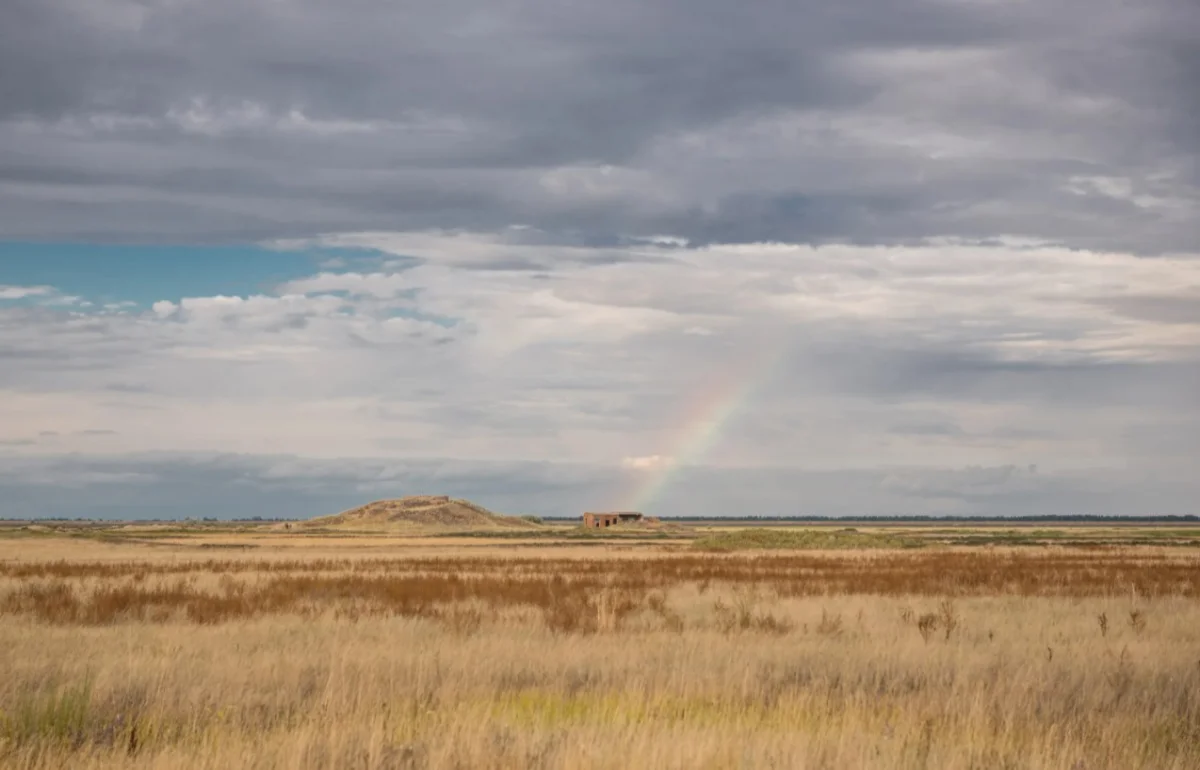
1048, 659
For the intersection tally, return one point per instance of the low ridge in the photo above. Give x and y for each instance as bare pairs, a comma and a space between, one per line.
422, 510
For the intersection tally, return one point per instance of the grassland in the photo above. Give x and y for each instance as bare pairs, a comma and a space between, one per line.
299, 651
773, 538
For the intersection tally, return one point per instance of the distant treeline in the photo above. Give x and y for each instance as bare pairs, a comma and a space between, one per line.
1048, 519
187, 520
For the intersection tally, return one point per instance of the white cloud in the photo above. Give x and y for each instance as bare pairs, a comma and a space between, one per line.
647, 462
200, 116
379, 285
25, 292
490, 347
1029, 303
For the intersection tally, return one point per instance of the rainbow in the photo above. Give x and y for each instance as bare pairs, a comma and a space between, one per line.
708, 414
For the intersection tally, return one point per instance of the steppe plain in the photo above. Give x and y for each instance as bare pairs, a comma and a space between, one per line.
545, 646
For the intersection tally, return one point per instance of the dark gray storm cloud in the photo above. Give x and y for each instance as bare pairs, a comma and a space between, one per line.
859, 121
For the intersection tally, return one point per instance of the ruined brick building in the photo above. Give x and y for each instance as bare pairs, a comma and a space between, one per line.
607, 519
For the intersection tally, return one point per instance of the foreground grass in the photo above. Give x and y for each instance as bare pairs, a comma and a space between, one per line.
908, 659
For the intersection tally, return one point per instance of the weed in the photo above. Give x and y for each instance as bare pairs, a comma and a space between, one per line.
612, 606
948, 617
672, 620
744, 616
769, 623
1120, 678
461, 620
927, 624
1137, 621
830, 625
570, 616
727, 618
580, 613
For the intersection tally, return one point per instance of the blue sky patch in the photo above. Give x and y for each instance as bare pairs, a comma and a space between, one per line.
105, 273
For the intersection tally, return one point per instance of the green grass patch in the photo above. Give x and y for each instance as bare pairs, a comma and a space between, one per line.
556, 710
620, 533
59, 716
22, 533
801, 539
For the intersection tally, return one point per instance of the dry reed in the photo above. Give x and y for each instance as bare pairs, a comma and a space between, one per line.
920, 659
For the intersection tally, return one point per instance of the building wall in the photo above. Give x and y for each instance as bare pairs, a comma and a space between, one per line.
600, 520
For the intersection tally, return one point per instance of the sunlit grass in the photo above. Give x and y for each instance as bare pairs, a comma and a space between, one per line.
927, 658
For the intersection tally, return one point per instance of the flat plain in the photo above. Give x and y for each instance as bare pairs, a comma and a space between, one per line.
219, 646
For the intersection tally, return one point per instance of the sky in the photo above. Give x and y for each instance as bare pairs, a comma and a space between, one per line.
282, 257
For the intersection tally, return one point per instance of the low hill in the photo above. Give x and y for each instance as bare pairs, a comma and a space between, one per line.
421, 511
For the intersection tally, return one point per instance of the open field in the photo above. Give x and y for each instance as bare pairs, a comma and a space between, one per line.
220, 647
249, 534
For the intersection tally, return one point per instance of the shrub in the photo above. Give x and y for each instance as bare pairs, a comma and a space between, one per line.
743, 616
927, 624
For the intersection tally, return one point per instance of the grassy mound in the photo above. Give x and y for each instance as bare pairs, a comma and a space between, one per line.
422, 511
790, 538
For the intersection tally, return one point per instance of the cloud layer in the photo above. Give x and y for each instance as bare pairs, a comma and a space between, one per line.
636, 365
703, 256
861, 121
